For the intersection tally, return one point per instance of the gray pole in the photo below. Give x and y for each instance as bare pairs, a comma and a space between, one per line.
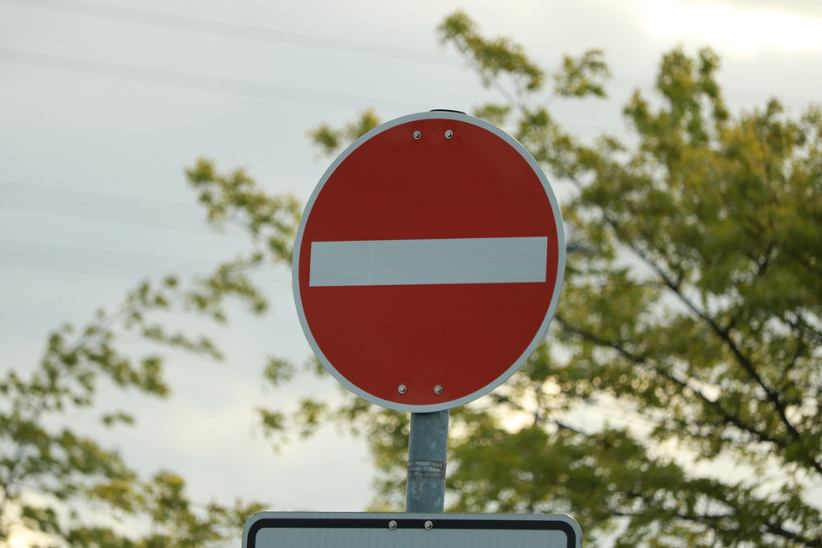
427, 449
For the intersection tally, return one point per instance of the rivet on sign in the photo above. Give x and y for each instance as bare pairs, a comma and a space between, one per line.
438, 389
449, 133
417, 134
429, 524
402, 389
392, 524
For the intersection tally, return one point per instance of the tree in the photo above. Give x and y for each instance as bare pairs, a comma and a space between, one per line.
689, 333
675, 400
59, 482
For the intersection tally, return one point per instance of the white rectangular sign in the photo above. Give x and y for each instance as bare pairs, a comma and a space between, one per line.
429, 262
377, 530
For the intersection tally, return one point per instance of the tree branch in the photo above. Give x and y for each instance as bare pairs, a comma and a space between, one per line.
725, 335
711, 521
727, 416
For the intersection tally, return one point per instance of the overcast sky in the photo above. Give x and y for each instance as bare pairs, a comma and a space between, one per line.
102, 105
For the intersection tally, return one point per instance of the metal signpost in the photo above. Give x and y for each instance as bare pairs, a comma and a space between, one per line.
427, 450
426, 270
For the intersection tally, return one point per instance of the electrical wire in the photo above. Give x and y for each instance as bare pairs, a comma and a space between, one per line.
12, 189
97, 206
257, 90
232, 30
107, 257
93, 206
105, 262
208, 83
255, 33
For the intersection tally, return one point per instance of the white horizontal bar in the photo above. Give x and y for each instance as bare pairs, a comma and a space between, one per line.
427, 262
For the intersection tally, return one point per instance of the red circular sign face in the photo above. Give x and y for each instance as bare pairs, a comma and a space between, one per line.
429, 262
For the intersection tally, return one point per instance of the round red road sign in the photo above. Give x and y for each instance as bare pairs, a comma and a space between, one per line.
429, 261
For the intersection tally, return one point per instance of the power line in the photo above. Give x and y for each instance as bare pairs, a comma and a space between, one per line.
100, 266
97, 206
249, 32
159, 206
28, 254
208, 83
69, 256
231, 30
52, 265
106, 215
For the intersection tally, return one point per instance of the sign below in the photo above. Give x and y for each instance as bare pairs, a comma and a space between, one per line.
376, 530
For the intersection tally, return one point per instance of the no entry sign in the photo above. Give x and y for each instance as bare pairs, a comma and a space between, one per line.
429, 261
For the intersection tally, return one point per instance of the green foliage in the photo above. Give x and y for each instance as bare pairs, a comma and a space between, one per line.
676, 400
330, 140
492, 58
278, 371
580, 77
175, 521
270, 221
54, 479
495, 113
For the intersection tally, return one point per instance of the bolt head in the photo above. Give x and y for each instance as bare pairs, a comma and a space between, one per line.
449, 133
429, 524
438, 389
392, 524
417, 134
402, 389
